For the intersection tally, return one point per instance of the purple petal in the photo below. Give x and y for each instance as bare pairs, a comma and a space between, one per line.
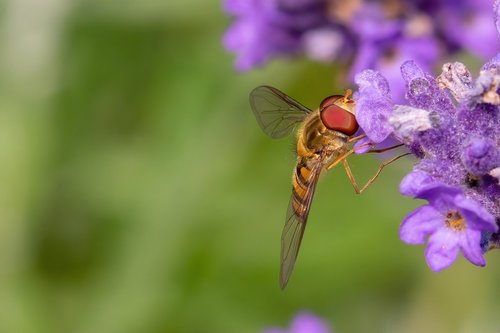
422, 222
413, 182
470, 243
365, 144
308, 323
373, 106
442, 249
441, 196
423, 91
372, 116
411, 71
475, 215
372, 79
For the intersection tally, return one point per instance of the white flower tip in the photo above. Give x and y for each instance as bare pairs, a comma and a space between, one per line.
495, 173
322, 44
407, 120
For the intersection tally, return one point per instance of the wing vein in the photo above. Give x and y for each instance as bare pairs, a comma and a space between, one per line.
276, 113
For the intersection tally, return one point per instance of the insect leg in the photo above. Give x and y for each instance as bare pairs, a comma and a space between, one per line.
372, 179
356, 138
384, 149
339, 159
345, 155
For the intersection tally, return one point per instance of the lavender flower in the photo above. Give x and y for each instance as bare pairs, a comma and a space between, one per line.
303, 323
360, 34
453, 222
457, 144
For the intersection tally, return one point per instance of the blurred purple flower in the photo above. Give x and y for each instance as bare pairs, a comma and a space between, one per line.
360, 34
461, 21
452, 222
269, 28
303, 323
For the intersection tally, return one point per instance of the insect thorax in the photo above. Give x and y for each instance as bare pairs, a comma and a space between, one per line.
315, 138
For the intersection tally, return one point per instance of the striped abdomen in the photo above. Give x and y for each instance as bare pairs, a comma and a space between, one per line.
301, 189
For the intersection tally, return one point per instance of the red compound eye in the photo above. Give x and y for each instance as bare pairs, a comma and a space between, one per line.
339, 119
329, 101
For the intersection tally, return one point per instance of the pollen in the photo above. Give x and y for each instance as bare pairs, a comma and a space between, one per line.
455, 221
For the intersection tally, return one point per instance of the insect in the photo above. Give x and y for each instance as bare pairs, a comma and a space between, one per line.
323, 138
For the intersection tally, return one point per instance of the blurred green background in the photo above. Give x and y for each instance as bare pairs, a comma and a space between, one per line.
138, 194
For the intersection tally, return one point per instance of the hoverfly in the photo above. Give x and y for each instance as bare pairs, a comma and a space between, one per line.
323, 136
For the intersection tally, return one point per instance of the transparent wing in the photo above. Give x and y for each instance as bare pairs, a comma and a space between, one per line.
276, 113
295, 224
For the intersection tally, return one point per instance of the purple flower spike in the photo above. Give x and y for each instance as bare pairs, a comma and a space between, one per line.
373, 105
458, 147
451, 222
304, 323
